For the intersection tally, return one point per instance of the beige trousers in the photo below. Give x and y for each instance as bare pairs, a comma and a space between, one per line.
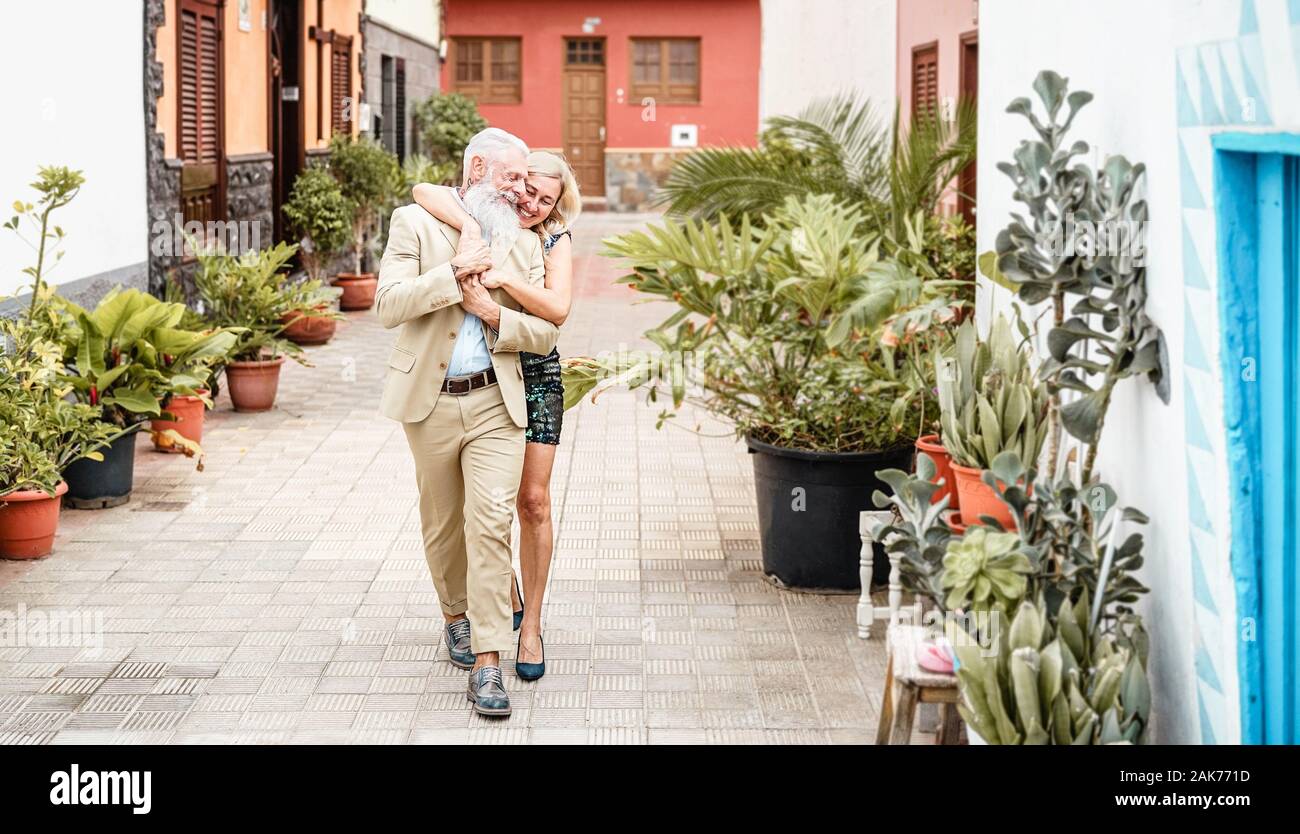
469, 456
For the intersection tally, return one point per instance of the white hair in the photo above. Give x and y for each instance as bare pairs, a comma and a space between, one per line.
488, 143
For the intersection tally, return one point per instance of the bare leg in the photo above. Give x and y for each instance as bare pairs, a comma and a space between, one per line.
536, 542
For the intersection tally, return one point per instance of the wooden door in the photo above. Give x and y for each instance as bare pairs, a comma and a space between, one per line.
584, 112
285, 102
970, 85
925, 80
200, 130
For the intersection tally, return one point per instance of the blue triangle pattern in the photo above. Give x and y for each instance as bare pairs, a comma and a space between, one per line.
1200, 586
1233, 106
1196, 514
1250, 56
1193, 350
1249, 23
1196, 435
1193, 272
1210, 114
1205, 670
1207, 729
1192, 198
1187, 115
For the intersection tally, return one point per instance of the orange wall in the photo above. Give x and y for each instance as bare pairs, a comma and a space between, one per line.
245, 60
730, 33
343, 16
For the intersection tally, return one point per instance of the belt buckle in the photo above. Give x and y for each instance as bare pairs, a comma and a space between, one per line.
453, 387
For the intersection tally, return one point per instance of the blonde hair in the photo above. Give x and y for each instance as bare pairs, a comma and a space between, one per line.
569, 204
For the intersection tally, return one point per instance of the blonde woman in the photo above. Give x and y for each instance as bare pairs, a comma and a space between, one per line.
549, 207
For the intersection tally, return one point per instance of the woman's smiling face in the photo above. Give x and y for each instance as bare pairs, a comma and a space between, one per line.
540, 196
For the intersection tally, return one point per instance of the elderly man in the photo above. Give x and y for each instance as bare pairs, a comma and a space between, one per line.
456, 385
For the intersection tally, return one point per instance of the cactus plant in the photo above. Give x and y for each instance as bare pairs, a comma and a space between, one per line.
1040, 684
985, 570
989, 401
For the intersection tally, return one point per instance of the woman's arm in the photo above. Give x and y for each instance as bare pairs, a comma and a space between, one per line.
440, 201
552, 300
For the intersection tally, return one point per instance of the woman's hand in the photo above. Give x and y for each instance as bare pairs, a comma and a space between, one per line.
492, 279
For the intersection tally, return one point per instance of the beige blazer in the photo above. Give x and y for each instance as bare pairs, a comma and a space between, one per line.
418, 293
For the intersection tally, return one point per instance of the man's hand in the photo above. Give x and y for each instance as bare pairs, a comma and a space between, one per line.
472, 255
475, 299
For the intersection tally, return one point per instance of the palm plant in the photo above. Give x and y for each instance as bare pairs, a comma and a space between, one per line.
837, 145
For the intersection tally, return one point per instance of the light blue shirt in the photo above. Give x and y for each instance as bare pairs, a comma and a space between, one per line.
470, 354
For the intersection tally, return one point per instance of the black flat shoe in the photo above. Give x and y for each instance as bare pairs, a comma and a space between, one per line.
530, 671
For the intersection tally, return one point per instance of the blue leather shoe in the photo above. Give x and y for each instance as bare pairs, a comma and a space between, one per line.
458, 644
487, 691
519, 615
530, 671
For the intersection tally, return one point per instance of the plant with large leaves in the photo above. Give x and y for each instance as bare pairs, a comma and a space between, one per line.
800, 332
250, 294
1082, 240
128, 354
837, 145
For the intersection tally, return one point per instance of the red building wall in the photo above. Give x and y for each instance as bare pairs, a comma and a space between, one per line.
730, 41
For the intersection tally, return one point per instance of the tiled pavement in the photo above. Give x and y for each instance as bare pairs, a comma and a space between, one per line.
281, 594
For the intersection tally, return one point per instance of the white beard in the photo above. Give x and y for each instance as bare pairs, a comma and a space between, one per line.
496, 216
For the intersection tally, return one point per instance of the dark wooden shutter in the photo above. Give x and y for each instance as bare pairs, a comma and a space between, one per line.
925, 80
399, 106
199, 117
341, 101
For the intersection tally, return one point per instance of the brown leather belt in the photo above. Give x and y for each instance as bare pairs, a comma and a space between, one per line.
458, 386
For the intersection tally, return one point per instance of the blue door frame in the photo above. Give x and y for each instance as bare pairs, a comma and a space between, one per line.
1257, 202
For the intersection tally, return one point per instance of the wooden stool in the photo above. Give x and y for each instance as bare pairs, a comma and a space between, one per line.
915, 686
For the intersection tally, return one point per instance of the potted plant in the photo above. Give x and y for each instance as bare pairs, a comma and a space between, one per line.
809, 342
192, 358
249, 294
125, 358
322, 217
367, 174
445, 122
989, 402
310, 318
42, 428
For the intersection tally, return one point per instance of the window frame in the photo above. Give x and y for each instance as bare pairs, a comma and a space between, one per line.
487, 91
664, 91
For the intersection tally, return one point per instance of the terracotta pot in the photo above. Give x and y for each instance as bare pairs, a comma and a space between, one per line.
358, 290
28, 521
189, 412
943, 468
308, 331
253, 384
978, 498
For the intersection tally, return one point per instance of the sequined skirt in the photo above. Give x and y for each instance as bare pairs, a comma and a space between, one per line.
544, 393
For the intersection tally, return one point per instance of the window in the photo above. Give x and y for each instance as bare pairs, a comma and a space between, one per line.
341, 104
392, 119
666, 69
590, 51
487, 69
925, 80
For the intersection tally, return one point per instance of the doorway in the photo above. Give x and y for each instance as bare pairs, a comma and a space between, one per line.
970, 85
1257, 195
285, 102
200, 111
584, 112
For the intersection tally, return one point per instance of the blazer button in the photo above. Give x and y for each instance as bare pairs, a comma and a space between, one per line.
451, 335
442, 365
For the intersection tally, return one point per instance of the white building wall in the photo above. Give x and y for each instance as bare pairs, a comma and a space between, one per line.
75, 97
1134, 57
814, 48
417, 18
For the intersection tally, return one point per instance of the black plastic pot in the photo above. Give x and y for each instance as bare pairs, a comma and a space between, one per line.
808, 506
94, 485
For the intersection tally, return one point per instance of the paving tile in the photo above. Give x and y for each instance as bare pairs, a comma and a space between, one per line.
298, 608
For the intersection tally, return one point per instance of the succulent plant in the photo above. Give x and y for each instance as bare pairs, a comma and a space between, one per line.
985, 570
989, 400
1045, 684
